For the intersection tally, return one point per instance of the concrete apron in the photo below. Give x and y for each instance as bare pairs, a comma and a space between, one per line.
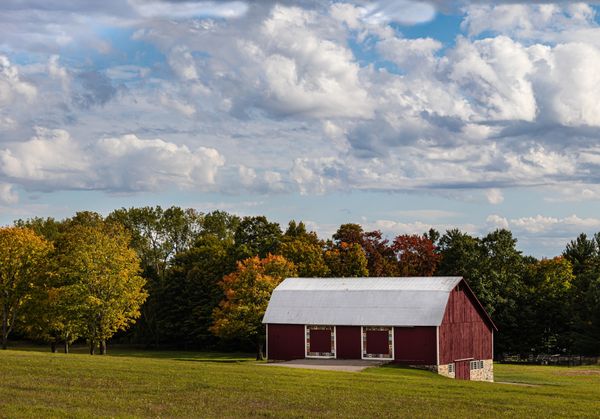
349, 365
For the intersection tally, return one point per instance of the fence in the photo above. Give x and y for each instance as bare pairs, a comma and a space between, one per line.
545, 359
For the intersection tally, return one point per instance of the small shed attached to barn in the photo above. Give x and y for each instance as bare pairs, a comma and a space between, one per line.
431, 322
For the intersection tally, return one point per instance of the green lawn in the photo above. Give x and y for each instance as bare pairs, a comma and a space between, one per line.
168, 384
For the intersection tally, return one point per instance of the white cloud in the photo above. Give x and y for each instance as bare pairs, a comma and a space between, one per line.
541, 224
494, 196
318, 175
495, 221
182, 63
494, 76
568, 83
12, 88
529, 21
189, 9
53, 159
7, 194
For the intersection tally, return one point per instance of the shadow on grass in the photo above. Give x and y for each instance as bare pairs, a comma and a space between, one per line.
136, 352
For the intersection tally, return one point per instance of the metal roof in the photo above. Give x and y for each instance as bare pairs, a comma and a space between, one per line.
407, 301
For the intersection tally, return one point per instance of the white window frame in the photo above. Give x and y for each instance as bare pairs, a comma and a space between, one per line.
372, 358
451, 368
306, 355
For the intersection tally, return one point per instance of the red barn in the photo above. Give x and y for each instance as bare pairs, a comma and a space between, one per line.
432, 322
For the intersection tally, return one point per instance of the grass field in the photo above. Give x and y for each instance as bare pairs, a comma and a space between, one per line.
168, 384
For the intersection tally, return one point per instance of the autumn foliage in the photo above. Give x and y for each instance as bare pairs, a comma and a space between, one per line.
416, 255
247, 292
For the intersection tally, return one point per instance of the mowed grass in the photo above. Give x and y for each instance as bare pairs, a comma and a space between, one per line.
185, 384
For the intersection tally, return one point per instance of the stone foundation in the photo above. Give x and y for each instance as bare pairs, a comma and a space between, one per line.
481, 374
444, 370
484, 374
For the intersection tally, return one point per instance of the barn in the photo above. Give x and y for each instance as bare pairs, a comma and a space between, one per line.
435, 323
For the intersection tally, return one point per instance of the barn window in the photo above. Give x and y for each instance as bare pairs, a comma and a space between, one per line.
450, 368
320, 341
476, 365
377, 342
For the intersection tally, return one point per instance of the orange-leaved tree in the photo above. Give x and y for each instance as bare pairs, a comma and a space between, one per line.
417, 255
247, 293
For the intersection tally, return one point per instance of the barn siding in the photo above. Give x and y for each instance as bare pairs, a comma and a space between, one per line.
286, 341
348, 342
415, 345
464, 333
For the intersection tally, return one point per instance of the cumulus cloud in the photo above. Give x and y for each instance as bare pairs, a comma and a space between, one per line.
7, 194
302, 97
52, 159
546, 21
541, 224
12, 87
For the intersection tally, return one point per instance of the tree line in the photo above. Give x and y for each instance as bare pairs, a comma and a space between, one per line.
177, 277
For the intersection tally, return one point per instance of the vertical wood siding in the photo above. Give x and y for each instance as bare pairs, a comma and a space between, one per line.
286, 341
415, 345
464, 333
348, 342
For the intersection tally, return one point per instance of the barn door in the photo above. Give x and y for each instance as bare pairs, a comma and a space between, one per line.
377, 343
462, 370
320, 341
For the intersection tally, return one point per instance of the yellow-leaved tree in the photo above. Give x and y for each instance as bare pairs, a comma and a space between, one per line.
247, 293
101, 274
23, 261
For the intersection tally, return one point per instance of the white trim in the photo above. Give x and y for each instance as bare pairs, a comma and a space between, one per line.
306, 355
492, 344
437, 345
334, 342
362, 345
267, 342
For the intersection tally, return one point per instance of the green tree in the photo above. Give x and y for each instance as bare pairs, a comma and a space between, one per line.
103, 271
305, 250
192, 291
346, 260
584, 255
23, 261
157, 236
548, 287
256, 236
247, 293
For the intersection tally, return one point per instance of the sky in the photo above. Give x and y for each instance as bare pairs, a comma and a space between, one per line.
398, 115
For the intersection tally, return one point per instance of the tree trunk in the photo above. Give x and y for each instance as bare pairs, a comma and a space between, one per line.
102, 347
4, 326
66, 346
92, 347
259, 351
53, 347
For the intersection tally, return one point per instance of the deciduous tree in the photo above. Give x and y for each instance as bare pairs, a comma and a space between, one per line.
23, 261
247, 293
104, 273
416, 255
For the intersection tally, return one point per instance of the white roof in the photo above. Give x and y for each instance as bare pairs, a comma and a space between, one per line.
408, 301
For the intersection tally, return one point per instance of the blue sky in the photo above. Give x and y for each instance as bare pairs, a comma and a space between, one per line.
399, 115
